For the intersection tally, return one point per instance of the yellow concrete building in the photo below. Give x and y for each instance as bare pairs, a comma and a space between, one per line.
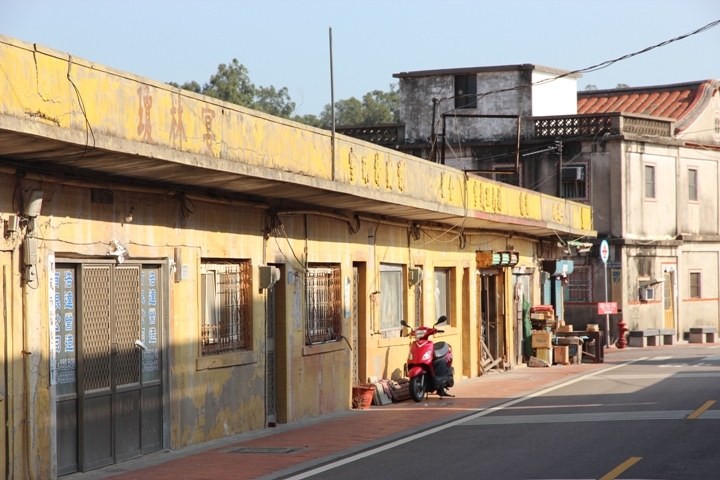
176, 269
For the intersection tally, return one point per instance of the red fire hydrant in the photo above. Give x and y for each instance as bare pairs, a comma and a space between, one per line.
622, 329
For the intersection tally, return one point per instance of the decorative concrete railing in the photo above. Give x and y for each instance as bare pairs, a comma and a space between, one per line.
614, 123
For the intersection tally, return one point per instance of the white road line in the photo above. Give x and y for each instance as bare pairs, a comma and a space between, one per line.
580, 417
656, 376
440, 428
712, 358
659, 359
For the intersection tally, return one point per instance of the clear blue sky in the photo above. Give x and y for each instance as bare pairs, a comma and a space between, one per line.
285, 43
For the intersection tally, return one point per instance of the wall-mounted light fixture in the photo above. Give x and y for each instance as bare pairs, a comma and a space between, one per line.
34, 204
129, 216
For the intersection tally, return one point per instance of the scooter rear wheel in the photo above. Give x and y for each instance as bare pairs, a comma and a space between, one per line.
417, 387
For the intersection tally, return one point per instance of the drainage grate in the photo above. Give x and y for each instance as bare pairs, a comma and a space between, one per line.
275, 450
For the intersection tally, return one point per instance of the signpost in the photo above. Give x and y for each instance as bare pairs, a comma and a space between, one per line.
607, 308
604, 255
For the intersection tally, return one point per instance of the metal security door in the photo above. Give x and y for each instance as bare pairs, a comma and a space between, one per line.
270, 359
489, 328
125, 364
355, 330
94, 368
119, 381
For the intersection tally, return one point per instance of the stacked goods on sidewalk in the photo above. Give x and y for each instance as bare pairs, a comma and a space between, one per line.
544, 323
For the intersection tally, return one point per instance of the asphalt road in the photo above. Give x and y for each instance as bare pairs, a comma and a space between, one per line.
651, 417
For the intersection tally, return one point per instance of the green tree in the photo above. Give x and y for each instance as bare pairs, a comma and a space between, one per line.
191, 86
231, 83
591, 86
309, 119
274, 102
622, 85
376, 107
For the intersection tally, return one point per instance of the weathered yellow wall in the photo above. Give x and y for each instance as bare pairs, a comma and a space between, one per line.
206, 402
43, 85
211, 398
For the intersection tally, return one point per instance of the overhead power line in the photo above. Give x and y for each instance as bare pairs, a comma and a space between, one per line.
594, 68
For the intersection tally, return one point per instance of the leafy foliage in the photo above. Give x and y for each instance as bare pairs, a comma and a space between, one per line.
231, 83
376, 107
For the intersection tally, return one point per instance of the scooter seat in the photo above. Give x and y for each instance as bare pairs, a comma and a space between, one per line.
440, 349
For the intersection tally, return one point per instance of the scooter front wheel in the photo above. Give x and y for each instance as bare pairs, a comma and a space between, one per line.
417, 387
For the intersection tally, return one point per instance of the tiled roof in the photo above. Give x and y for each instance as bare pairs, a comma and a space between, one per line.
677, 101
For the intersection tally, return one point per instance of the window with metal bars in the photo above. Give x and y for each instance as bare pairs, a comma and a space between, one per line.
226, 290
695, 284
580, 285
574, 182
324, 304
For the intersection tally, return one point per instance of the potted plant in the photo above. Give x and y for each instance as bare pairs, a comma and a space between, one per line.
362, 395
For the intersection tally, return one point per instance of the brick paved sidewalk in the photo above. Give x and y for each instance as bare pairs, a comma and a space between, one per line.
335, 436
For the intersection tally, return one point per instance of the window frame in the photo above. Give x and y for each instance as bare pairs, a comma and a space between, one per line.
587, 285
580, 185
323, 303
449, 279
695, 274
234, 318
398, 274
693, 189
462, 89
652, 183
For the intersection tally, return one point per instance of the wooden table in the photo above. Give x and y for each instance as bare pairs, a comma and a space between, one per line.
592, 343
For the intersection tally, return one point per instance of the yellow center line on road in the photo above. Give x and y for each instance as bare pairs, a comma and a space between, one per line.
612, 475
700, 410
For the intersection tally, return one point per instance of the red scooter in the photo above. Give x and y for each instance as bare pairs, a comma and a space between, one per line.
429, 365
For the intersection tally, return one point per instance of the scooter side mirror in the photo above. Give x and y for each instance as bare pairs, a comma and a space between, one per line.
404, 323
442, 321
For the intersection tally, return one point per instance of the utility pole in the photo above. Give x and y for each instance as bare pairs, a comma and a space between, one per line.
558, 145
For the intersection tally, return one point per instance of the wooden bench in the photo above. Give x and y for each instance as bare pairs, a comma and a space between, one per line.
702, 335
643, 338
667, 336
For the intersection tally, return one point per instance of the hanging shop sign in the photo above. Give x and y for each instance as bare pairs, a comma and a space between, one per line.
496, 258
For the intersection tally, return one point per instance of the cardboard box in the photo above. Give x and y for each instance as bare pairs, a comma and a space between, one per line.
544, 354
565, 328
562, 354
541, 339
536, 362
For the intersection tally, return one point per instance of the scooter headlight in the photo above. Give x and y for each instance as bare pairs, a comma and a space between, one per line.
420, 333
426, 356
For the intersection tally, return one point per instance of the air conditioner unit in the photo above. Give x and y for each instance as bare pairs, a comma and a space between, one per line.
268, 276
573, 173
415, 276
646, 294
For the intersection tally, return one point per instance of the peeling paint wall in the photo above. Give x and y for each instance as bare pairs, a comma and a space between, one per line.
209, 397
502, 92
